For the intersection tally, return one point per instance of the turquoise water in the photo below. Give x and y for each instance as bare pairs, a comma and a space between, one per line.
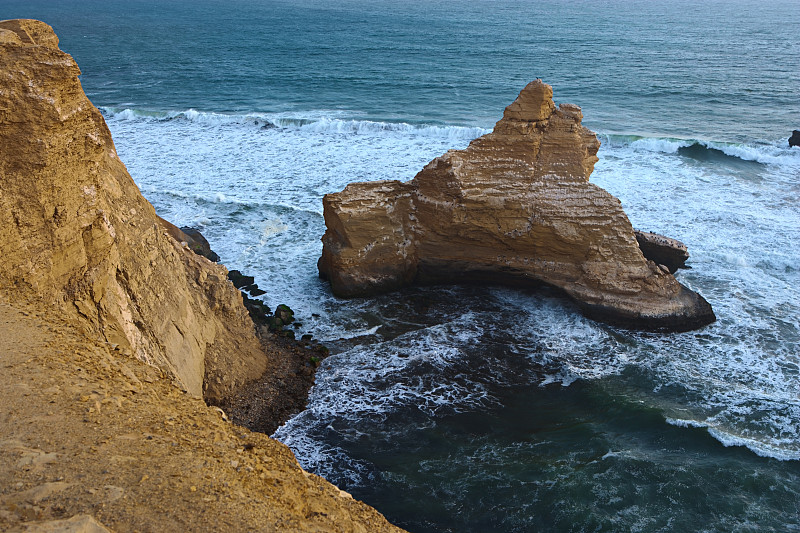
490, 409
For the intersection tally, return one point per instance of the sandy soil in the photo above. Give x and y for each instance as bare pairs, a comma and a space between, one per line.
86, 430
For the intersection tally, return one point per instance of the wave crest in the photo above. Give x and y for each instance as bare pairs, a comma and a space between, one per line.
765, 153
314, 124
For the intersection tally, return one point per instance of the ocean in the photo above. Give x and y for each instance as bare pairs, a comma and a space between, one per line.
489, 409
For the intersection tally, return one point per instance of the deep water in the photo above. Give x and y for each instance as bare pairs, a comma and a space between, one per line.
479, 409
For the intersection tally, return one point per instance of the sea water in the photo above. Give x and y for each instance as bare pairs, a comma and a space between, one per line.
484, 408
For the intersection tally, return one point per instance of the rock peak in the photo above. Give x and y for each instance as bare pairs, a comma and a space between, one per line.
534, 103
27, 32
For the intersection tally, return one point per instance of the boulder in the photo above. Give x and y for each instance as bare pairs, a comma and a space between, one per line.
240, 280
515, 207
190, 237
662, 250
794, 140
198, 244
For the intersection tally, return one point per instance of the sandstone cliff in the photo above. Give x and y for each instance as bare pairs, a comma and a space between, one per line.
515, 207
102, 314
76, 232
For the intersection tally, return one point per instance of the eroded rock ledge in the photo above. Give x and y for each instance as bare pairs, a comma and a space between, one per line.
515, 207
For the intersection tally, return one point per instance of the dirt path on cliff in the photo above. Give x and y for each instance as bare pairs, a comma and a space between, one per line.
86, 431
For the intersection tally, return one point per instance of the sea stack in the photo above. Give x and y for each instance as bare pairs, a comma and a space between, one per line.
515, 207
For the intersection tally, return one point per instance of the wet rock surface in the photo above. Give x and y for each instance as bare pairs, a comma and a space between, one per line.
794, 140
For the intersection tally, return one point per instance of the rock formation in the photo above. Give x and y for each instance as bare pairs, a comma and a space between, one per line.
76, 232
93, 287
192, 238
515, 207
662, 250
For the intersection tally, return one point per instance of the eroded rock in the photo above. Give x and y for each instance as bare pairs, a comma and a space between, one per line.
515, 207
76, 232
662, 250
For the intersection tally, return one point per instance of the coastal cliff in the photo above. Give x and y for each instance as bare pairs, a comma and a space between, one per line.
113, 331
76, 232
515, 207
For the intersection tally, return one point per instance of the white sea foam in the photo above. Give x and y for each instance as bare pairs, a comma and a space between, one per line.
257, 192
686, 423
764, 448
353, 334
272, 227
395, 373
667, 146
784, 449
310, 123
766, 154
326, 125
331, 462
371, 382
739, 367
126, 114
776, 153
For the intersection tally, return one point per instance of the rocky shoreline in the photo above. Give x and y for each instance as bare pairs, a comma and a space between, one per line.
267, 402
145, 377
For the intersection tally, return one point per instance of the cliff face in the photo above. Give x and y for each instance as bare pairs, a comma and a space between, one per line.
515, 207
76, 233
92, 287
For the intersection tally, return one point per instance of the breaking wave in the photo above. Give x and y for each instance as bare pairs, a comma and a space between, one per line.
773, 153
313, 124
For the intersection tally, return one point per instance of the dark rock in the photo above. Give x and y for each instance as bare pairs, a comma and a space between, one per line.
240, 280
686, 321
259, 312
199, 244
322, 350
662, 250
193, 238
253, 290
794, 140
284, 313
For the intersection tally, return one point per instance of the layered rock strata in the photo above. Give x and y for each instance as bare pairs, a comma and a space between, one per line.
76, 233
111, 309
515, 207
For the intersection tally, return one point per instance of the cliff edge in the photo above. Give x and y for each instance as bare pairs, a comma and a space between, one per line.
515, 207
77, 234
111, 333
